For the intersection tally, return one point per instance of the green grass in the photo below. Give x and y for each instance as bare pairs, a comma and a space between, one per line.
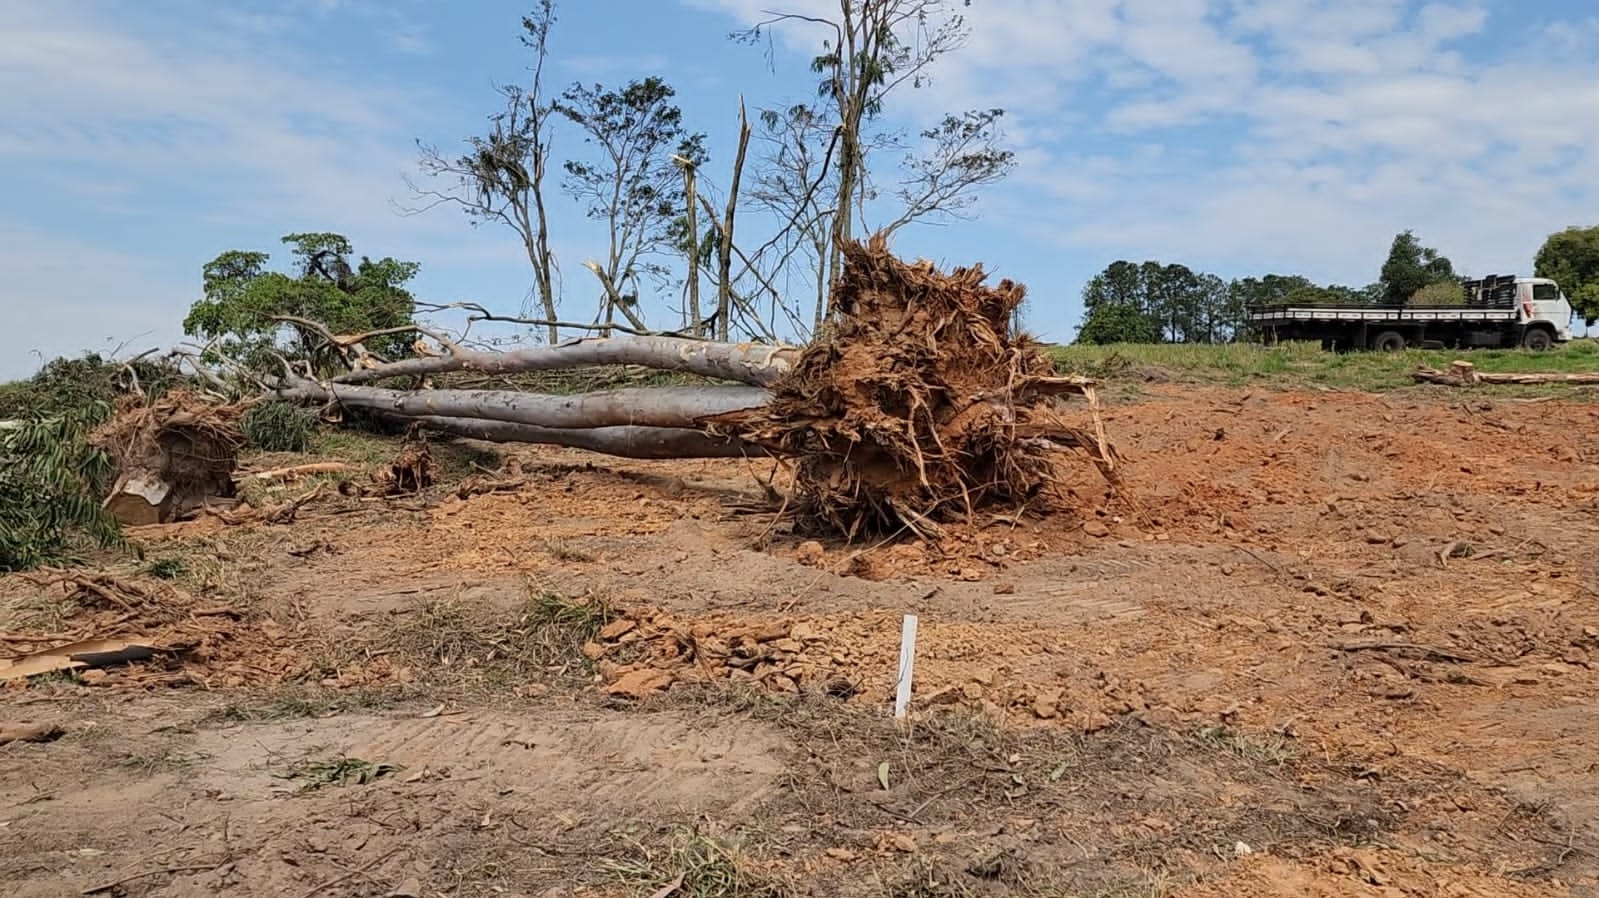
1288, 365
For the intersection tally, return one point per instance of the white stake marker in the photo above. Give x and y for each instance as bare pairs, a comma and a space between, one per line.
907, 661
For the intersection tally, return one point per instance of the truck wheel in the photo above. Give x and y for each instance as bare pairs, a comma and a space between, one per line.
1538, 339
1388, 341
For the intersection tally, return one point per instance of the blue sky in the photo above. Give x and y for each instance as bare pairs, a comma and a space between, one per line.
140, 139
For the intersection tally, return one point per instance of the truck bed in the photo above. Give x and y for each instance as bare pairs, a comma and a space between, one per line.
1283, 314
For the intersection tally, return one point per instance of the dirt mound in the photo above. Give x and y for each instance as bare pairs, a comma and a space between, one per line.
171, 453
110, 629
920, 405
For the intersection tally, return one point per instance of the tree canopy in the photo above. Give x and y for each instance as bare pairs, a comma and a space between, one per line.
1571, 258
1411, 266
245, 302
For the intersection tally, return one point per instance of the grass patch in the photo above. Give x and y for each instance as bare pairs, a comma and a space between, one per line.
1302, 364
450, 643
294, 704
147, 765
709, 867
314, 775
1266, 748
165, 568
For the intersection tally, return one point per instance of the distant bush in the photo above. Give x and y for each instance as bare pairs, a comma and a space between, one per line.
278, 427
1443, 293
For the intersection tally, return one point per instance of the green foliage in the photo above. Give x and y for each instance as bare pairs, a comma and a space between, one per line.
242, 298
1105, 324
278, 427
1571, 258
630, 182
69, 384
49, 481
1443, 293
1410, 267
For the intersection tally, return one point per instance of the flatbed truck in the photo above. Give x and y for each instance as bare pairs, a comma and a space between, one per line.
1496, 311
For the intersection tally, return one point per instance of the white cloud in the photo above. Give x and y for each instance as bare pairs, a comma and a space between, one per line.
1315, 129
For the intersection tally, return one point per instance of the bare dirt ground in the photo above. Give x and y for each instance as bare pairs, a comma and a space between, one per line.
1327, 644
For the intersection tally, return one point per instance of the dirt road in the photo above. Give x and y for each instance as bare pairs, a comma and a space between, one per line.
1318, 644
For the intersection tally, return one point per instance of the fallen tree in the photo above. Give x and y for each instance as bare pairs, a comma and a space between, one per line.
920, 406
1463, 374
747, 363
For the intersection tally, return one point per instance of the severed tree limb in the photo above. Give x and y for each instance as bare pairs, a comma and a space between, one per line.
1462, 374
623, 441
641, 406
748, 363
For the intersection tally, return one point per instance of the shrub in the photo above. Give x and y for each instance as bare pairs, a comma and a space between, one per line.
278, 427
50, 479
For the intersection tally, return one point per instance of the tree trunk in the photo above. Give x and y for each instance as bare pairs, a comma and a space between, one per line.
690, 189
1462, 374
636, 406
747, 363
623, 441
724, 304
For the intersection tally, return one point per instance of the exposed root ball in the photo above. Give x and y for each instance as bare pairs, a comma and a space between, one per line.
920, 405
170, 453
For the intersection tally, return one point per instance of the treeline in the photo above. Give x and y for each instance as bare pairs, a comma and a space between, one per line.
1152, 302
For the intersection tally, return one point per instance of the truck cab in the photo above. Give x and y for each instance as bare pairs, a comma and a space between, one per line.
1542, 303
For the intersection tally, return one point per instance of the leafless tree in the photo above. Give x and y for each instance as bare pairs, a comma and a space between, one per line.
872, 48
501, 177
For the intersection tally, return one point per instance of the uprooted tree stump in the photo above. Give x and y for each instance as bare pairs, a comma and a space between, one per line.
171, 454
921, 405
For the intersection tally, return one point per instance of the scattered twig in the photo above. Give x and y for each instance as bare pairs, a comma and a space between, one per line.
351, 874
1430, 652
186, 868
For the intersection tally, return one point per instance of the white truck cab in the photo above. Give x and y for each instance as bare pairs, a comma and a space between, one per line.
1541, 301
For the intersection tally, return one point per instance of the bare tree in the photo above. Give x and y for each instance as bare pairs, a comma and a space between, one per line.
631, 184
793, 176
963, 154
873, 48
501, 178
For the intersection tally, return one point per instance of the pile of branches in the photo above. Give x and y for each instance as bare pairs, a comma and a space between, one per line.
919, 406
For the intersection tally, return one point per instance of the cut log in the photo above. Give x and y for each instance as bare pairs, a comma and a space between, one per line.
295, 471
747, 363
1463, 374
633, 406
140, 499
623, 442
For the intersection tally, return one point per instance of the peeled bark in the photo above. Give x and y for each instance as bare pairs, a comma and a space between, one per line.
748, 363
623, 442
635, 406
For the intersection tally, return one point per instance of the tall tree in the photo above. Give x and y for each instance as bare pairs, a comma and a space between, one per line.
630, 182
1410, 267
1571, 258
244, 302
872, 48
501, 177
